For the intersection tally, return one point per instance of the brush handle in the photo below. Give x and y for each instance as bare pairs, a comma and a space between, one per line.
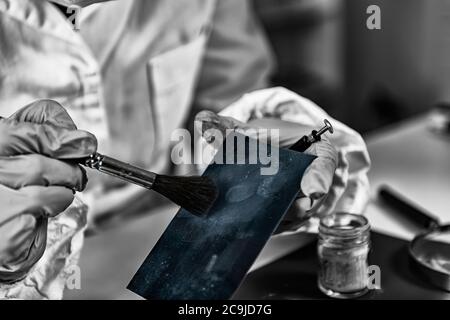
121, 170
304, 143
407, 209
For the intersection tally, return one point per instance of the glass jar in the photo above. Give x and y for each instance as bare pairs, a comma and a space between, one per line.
343, 249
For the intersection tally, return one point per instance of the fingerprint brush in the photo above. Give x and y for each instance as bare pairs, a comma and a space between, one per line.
194, 193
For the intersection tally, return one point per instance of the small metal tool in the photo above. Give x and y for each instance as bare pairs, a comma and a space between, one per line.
306, 141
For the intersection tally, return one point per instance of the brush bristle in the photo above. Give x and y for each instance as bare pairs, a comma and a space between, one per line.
195, 194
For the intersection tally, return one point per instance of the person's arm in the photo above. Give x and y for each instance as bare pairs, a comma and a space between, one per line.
238, 58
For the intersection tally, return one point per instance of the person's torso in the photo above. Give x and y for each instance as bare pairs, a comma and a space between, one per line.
128, 75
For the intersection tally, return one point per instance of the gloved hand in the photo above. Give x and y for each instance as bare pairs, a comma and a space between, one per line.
34, 183
336, 180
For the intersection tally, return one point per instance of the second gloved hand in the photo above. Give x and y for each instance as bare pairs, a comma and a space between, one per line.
318, 177
36, 180
336, 180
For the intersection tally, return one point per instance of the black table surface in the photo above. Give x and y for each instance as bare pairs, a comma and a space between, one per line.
295, 276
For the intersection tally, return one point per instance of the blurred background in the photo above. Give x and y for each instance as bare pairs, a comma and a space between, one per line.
365, 78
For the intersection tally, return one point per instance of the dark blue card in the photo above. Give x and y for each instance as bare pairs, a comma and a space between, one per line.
207, 258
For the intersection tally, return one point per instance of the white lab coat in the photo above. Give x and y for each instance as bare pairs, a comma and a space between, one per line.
134, 72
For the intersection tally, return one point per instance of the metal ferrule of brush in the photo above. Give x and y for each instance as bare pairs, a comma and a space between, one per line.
121, 170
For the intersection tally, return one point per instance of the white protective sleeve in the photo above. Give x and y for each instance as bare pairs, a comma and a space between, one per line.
350, 189
58, 269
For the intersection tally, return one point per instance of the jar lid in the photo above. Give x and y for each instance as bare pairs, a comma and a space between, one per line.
345, 225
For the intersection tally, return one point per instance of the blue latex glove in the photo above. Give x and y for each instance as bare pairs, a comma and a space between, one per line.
34, 183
